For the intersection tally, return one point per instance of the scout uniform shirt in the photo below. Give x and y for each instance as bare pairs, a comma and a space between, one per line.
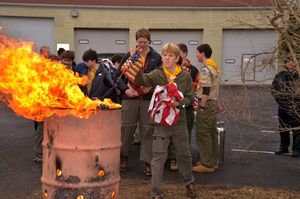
209, 77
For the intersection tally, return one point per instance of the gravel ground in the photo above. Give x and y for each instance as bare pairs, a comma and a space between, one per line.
140, 189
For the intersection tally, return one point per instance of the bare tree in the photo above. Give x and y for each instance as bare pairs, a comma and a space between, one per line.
254, 106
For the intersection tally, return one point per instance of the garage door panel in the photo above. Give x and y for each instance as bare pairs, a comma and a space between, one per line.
101, 40
40, 31
238, 47
192, 38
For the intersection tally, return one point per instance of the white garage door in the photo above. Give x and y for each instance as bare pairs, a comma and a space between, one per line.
38, 30
192, 38
247, 57
103, 41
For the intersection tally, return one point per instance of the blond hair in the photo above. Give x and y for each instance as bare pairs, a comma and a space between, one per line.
171, 48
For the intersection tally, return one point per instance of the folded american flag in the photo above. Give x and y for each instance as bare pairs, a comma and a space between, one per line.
161, 105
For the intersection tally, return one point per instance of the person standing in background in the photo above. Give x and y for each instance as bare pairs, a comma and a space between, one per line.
116, 59
39, 126
206, 119
135, 105
286, 91
67, 58
45, 51
99, 83
193, 71
59, 53
170, 74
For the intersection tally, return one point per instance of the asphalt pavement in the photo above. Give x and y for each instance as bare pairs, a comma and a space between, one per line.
251, 138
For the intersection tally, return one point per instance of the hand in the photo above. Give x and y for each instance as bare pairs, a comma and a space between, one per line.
130, 92
132, 51
219, 107
175, 103
195, 104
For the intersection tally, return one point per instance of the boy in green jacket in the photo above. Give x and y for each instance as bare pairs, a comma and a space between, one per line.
170, 72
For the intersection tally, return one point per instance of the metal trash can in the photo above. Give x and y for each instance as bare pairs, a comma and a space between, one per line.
221, 140
81, 157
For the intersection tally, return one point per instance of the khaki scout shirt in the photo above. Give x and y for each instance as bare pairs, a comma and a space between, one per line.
209, 78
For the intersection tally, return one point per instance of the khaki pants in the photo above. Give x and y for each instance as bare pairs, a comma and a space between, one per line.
133, 112
161, 140
190, 124
207, 135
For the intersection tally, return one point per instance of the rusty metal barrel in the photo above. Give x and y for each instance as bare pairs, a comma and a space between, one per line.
81, 156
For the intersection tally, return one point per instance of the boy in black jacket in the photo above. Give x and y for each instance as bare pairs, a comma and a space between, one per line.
99, 85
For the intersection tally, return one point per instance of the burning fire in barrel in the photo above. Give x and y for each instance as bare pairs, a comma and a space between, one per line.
81, 156
81, 144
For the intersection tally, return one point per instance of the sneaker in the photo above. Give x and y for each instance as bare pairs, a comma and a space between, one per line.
281, 151
123, 163
214, 167
173, 165
191, 191
147, 169
202, 169
296, 154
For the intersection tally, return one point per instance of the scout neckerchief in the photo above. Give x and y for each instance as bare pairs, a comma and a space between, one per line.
213, 64
143, 57
172, 76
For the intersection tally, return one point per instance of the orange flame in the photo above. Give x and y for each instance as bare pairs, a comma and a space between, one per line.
36, 88
101, 173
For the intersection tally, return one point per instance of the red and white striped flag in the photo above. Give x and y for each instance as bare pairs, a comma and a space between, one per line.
130, 70
161, 105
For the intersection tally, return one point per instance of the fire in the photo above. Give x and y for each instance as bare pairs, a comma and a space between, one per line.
58, 172
36, 88
101, 173
113, 194
80, 197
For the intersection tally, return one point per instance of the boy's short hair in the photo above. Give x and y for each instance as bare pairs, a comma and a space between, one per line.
183, 47
68, 54
206, 49
116, 58
60, 51
143, 32
90, 54
171, 48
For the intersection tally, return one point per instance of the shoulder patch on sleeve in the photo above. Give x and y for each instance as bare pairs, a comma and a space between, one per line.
204, 70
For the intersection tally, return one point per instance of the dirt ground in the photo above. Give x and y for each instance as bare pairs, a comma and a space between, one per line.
139, 189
